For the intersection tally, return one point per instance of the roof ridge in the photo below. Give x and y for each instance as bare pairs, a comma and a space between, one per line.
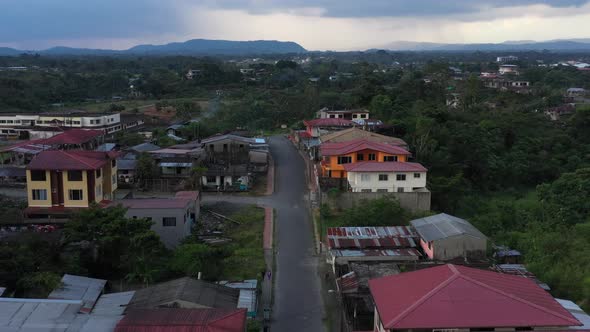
76, 158
426, 296
514, 297
230, 313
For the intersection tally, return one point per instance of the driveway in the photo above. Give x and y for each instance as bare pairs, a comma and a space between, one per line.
297, 301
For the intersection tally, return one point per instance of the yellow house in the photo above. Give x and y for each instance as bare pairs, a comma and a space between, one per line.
59, 180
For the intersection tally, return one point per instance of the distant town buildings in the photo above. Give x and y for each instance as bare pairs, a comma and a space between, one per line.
508, 58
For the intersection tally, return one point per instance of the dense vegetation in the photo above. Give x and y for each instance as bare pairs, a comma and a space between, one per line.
102, 243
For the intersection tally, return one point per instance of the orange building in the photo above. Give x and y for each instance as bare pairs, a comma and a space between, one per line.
336, 155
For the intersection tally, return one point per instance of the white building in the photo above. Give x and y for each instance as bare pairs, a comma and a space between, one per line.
508, 69
386, 176
508, 58
13, 124
353, 115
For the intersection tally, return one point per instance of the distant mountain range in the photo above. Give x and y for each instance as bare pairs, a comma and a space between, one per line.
191, 47
521, 45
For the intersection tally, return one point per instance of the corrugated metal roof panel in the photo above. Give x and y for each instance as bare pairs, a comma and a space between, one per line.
79, 288
442, 226
372, 237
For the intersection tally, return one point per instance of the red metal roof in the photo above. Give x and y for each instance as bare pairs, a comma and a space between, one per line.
70, 160
451, 296
329, 122
342, 148
73, 136
183, 320
371, 166
372, 237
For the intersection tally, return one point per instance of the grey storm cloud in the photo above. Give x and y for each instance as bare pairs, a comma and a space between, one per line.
70, 19
22, 20
386, 8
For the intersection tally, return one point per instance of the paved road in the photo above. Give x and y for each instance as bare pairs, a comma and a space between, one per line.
298, 304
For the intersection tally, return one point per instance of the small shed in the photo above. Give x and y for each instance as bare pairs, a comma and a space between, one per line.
445, 237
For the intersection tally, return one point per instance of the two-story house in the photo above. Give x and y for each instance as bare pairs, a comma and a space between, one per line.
366, 176
60, 180
336, 155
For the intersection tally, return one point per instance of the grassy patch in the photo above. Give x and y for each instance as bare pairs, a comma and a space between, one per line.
247, 255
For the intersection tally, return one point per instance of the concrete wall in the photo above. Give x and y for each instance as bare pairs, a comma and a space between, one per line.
170, 235
459, 246
415, 201
371, 181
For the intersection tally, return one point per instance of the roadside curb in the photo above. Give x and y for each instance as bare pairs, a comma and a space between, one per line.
268, 227
270, 177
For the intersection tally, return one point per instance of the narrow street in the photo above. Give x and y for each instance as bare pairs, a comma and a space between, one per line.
297, 300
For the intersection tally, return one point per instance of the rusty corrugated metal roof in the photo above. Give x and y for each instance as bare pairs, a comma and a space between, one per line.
372, 237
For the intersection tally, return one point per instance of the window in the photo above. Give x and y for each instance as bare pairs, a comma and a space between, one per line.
400, 190
16, 121
372, 157
97, 121
390, 158
38, 176
383, 177
211, 147
98, 173
39, 194
114, 178
74, 175
76, 194
400, 177
76, 122
2, 121
366, 190
344, 160
211, 179
99, 192
169, 221
360, 157
363, 116
114, 163
381, 190
365, 177
417, 175
224, 147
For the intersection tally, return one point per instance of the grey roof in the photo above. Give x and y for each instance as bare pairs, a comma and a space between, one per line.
144, 147
112, 304
126, 164
186, 290
41, 315
230, 137
79, 288
577, 312
247, 293
175, 126
443, 226
106, 147
17, 172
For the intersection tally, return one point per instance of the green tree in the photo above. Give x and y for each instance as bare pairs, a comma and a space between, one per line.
116, 245
146, 168
381, 107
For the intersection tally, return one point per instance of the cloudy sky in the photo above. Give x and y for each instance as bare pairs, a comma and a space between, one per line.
316, 25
